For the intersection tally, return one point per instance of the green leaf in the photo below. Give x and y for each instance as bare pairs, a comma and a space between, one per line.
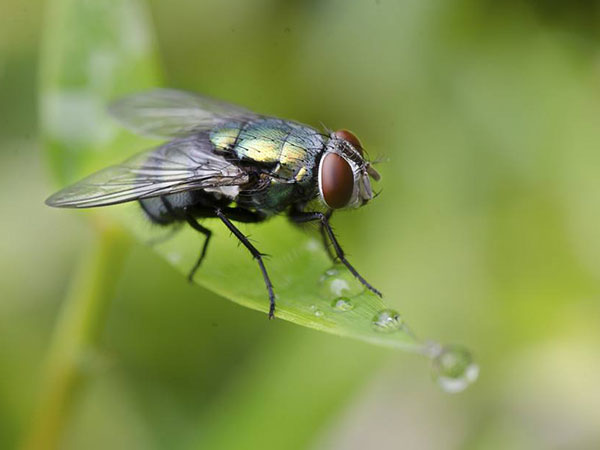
310, 290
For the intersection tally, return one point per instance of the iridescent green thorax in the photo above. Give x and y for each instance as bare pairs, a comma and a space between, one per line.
290, 149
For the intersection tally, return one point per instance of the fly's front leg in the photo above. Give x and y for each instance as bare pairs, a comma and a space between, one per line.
258, 256
323, 232
302, 217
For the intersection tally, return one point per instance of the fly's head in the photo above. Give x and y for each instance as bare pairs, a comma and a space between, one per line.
344, 173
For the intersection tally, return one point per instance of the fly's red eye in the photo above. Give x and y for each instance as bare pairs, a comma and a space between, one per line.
337, 181
350, 137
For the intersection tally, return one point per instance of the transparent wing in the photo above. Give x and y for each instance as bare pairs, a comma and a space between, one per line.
168, 113
180, 165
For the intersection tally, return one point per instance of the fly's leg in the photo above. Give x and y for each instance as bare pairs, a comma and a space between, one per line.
196, 226
258, 256
207, 233
324, 238
302, 217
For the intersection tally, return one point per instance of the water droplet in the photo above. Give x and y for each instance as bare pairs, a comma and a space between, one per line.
337, 281
342, 304
387, 321
453, 368
315, 310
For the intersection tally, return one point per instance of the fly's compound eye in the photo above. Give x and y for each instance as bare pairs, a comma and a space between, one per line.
350, 137
337, 181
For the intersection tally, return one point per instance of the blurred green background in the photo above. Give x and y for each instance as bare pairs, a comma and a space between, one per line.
485, 234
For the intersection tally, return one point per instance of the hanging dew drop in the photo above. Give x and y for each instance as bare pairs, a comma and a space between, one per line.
453, 368
342, 304
387, 321
337, 281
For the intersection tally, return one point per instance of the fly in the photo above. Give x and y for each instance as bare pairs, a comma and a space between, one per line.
223, 161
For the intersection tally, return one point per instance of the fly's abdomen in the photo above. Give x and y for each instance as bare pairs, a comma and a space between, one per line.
157, 211
171, 208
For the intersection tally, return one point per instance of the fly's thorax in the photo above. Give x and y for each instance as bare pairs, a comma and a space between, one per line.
286, 148
344, 173
271, 195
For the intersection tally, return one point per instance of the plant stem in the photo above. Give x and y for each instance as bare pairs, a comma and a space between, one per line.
76, 333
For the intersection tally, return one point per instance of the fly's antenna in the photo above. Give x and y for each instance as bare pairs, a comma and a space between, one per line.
381, 159
328, 130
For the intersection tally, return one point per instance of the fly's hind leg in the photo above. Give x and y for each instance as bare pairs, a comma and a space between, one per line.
207, 234
258, 256
189, 218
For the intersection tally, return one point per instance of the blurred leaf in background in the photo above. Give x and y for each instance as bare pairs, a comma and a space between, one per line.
485, 233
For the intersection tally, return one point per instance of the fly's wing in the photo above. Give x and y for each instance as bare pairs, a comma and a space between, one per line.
181, 165
169, 113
